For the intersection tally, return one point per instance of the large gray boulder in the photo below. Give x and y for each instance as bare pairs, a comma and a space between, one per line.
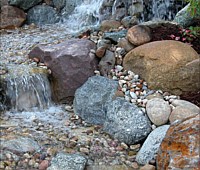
71, 63
151, 145
64, 161
126, 122
24, 4
41, 15
92, 98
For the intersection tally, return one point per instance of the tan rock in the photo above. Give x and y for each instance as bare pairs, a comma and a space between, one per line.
124, 43
185, 104
148, 167
167, 65
180, 113
109, 24
158, 111
44, 165
100, 52
180, 147
11, 17
139, 34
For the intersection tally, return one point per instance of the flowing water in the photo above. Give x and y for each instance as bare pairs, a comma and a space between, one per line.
87, 13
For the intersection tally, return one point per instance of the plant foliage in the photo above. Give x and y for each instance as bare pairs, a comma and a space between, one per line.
194, 7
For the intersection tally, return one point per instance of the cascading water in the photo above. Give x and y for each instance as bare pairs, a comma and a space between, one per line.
26, 88
161, 9
90, 12
87, 13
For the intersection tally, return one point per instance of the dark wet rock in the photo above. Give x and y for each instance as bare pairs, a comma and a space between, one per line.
126, 122
69, 7
71, 63
92, 98
129, 21
41, 15
24, 4
68, 162
107, 63
114, 36
151, 145
11, 17
20, 145
59, 4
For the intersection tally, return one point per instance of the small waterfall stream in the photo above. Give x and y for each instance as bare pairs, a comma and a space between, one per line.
26, 88
87, 13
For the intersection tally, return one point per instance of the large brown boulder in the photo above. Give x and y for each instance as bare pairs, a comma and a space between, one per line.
167, 65
11, 17
180, 147
71, 63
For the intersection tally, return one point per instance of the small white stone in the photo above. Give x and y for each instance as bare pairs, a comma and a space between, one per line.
126, 78
124, 90
133, 100
145, 101
133, 95
127, 98
97, 72
121, 77
139, 100
119, 68
137, 93
136, 77
153, 127
121, 82
114, 78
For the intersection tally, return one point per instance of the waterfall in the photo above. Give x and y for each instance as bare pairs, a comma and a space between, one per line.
26, 88
85, 14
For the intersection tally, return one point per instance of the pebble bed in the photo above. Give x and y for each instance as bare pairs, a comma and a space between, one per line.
66, 131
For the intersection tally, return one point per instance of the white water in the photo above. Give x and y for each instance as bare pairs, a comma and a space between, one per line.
26, 90
85, 14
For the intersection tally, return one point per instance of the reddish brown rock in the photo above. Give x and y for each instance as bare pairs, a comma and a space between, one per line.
71, 63
44, 165
148, 167
101, 51
11, 17
139, 34
109, 24
167, 65
180, 147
